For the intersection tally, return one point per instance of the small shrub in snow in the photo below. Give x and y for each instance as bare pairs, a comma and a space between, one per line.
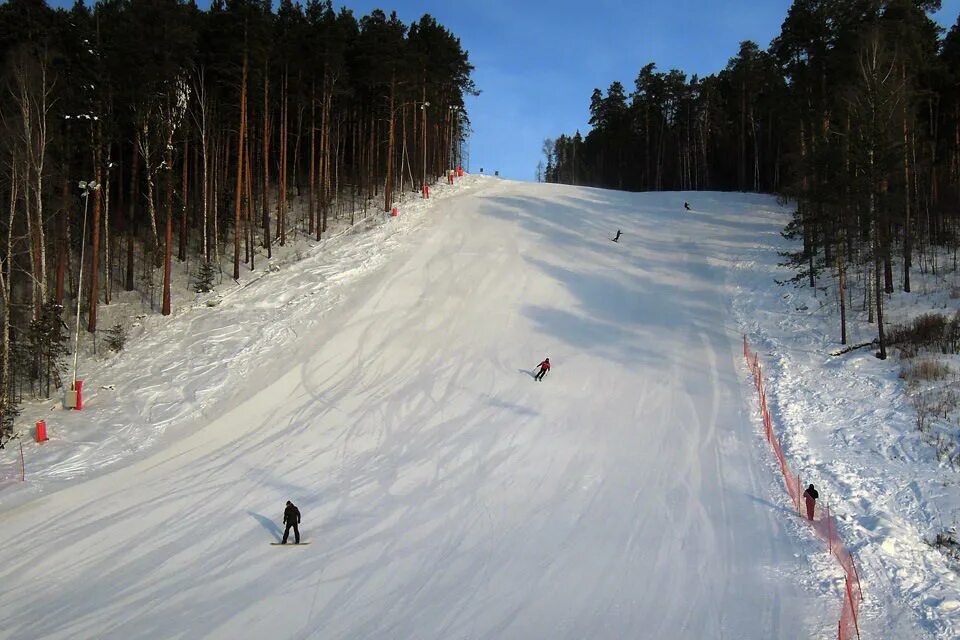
206, 274
947, 544
948, 450
928, 332
923, 404
933, 404
148, 284
48, 344
924, 330
8, 415
915, 371
116, 337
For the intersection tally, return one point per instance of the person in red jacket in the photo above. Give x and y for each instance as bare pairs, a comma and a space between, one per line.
544, 367
810, 496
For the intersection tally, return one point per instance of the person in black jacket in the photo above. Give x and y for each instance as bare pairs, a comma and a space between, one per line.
617, 239
810, 496
291, 518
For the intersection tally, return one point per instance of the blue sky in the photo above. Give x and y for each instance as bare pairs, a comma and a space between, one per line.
537, 62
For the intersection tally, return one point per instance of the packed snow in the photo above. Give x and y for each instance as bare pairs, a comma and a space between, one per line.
382, 380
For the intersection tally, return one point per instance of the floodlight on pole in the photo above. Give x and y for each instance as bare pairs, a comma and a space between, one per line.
86, 187
423, 108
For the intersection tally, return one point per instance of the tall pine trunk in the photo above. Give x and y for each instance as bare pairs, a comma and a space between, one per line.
168, 227
907, 231
182, 245
237, 230
62, 244
388, 188
313, 128
282, 182
132, 213
265, 197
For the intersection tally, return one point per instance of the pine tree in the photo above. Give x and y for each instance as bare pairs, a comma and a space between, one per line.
206, 274
48, 340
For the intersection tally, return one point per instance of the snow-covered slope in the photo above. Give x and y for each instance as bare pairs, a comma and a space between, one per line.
847, 424
383, 383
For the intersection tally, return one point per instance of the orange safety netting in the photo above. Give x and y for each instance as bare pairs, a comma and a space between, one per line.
823, 522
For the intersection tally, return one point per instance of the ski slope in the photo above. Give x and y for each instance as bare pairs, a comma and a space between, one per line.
384, 385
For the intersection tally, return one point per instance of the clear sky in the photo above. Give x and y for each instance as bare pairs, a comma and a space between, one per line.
538, 61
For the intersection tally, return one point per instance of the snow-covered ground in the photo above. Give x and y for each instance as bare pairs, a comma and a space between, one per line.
848, 426
383, 383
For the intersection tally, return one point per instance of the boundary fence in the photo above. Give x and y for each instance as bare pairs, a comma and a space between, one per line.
823, 524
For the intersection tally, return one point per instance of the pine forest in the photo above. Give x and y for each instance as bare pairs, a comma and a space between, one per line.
140, 133
853, 113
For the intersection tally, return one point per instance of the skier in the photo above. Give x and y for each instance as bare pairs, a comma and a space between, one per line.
617, 239
686, 205
810, 495
291, 518
544, 367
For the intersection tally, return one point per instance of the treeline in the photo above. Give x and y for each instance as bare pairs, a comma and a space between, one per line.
853, 113
140, 132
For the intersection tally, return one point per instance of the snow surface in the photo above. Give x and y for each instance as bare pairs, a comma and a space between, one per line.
847, 424
383, 383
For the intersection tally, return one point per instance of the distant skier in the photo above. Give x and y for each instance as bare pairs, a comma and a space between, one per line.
686, 205
617, 239
544, 367
291, 518
810, 496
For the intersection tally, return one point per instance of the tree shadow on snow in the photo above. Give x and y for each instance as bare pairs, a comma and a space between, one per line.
267, 524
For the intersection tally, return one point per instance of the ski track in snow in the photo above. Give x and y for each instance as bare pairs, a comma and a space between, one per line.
383, 384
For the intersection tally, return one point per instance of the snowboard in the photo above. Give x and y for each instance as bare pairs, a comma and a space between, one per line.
289, 544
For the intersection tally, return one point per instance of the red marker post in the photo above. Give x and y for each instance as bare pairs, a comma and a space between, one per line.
42, 431
78, 387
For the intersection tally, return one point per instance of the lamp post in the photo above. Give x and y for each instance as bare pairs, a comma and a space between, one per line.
86, 187
423, 108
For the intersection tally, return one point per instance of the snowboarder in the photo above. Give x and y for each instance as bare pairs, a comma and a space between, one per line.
617, 239
544, 367
291, 518
686, 205
810, 495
